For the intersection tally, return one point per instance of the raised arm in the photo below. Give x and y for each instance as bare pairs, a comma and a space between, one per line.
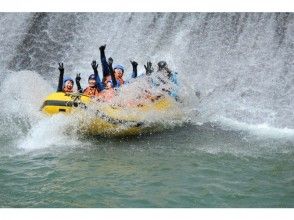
98, 81
60, 81
105, 68
135, 71
78, 79
149, 69
113, 79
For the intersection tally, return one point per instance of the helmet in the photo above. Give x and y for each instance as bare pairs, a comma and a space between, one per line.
92, 76
119, 66
162, 64
67, 78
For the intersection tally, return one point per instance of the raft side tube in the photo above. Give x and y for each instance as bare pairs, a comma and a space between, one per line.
60, 102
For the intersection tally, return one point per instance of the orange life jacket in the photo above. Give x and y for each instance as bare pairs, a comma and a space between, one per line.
91, 91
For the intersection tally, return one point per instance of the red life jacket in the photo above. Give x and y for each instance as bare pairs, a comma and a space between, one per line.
91, 91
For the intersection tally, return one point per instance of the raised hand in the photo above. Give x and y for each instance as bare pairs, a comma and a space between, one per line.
78, 77
94, 65
60, 67
149, 69
110, 61
102, 47
134, 63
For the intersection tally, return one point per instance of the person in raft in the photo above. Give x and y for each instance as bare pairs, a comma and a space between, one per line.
95, 87
167, 79
108, 93
65, 84
115, 74
110, 82
163, 77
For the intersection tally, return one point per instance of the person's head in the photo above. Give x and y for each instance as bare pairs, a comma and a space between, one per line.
106, 78
68, 84
92, 80
118, 71
162, 65
108, 84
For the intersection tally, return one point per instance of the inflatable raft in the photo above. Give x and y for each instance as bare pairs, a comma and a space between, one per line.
106, 119
60, 102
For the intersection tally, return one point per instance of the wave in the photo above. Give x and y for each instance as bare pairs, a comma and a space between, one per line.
261, 130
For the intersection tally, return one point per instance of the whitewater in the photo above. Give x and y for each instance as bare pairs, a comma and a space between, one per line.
233, 147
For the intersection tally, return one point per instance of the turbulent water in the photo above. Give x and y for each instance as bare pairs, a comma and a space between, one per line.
234, 146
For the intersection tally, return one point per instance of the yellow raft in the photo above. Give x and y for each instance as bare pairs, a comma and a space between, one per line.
60, 102
106, 119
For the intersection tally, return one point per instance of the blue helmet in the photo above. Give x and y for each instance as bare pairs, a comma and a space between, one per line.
92, 76
67, 78
119, 66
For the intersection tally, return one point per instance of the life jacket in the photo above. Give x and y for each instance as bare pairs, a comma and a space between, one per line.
67, 91
91, 91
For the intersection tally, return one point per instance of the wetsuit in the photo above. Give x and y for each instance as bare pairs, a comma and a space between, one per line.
92, 91
60, 82
108, 70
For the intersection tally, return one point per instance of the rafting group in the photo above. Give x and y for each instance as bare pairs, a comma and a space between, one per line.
113, 77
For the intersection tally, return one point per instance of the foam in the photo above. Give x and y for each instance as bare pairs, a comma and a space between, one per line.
240, 64
261, 130
55, 131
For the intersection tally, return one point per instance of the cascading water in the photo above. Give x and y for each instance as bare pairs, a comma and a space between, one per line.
241, 63
235, 72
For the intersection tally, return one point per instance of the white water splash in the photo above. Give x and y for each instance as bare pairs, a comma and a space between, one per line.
55, 131
239, 63
259, 130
